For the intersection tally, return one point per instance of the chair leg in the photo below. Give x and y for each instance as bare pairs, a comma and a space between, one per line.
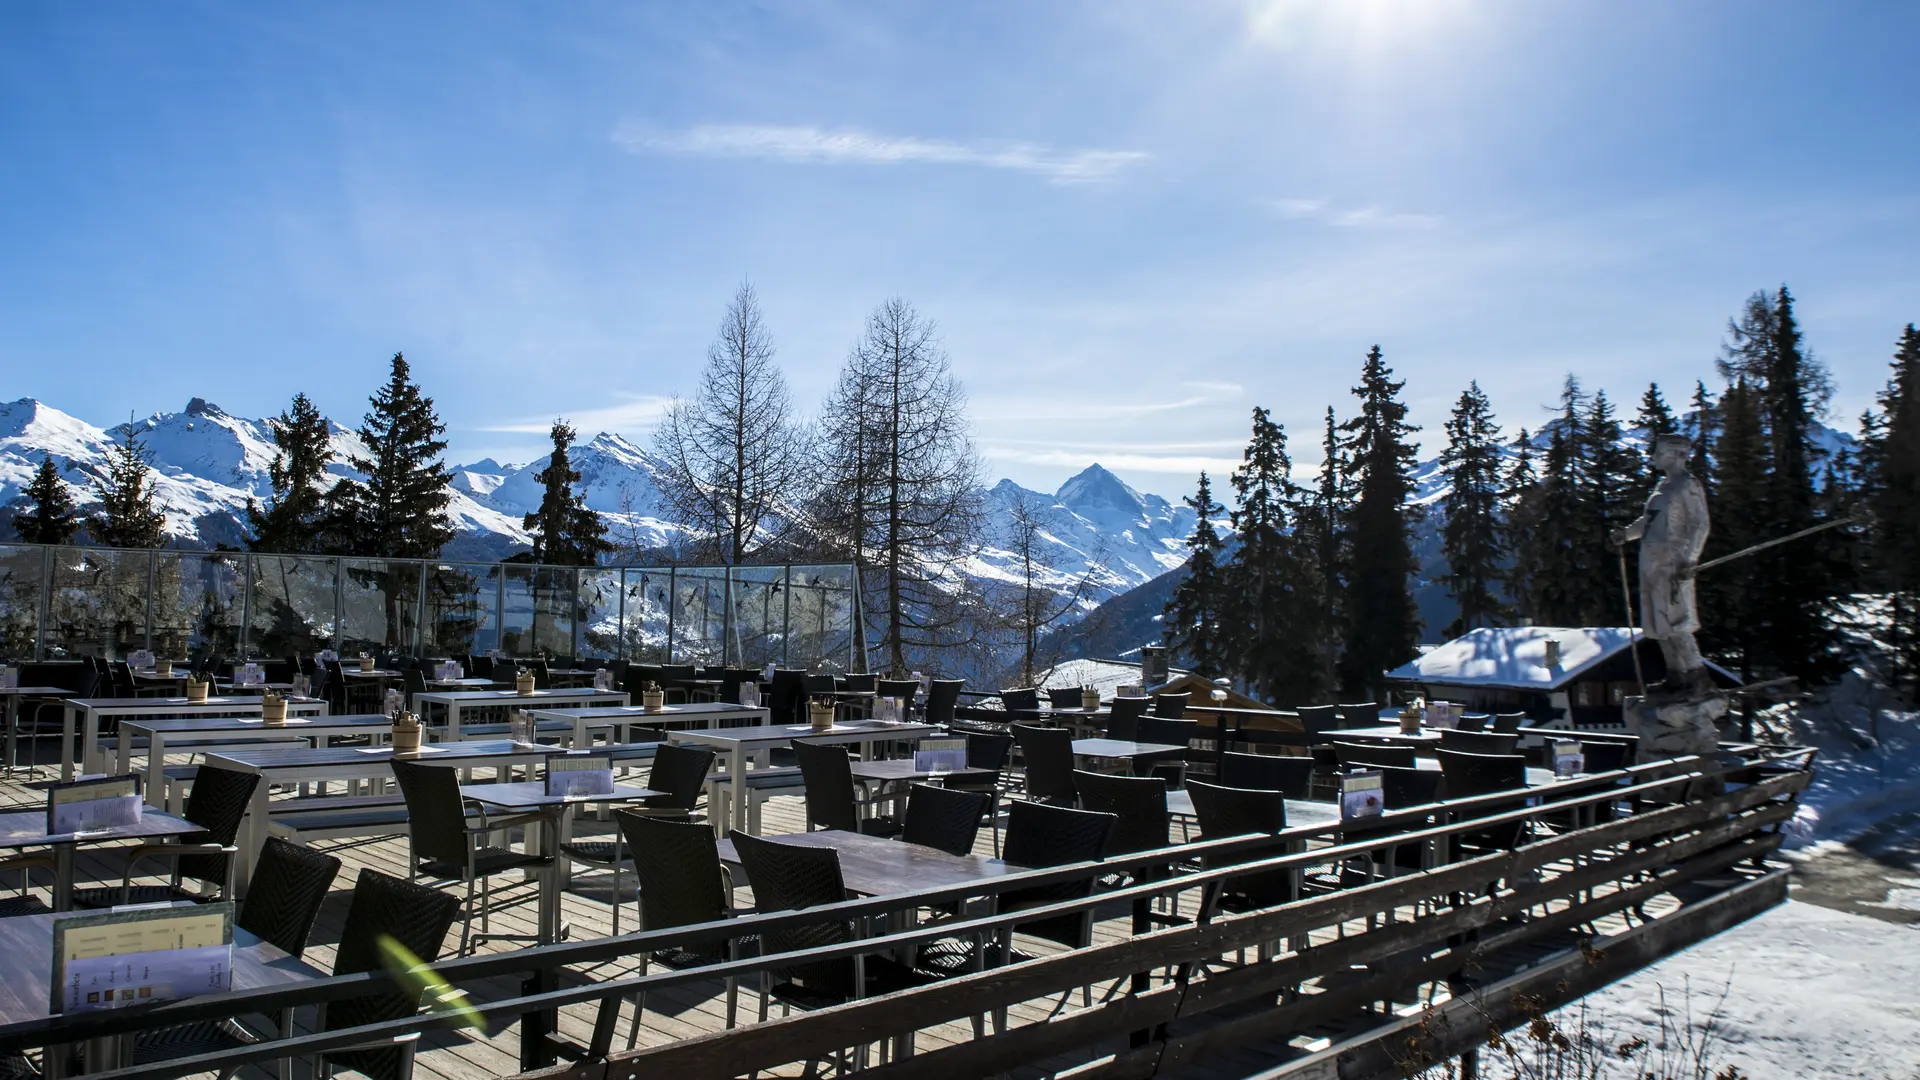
466, 920
639, 1006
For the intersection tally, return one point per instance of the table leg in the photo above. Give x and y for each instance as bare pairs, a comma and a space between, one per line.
67, 717
63, 877
253, 835
13, 732
156, 764
89, 733
737, 793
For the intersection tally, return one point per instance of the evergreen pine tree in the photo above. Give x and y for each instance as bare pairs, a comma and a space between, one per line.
1700, 428
1472, 541
400, 509
1381, 620
1608, 501
1890, 467
565, 532
1656, 417
292, 520
127, 517
1560, 540
1520, 530
1736, 605
1326, 521
52, 518
1273, 595
1801, 637
1194, 627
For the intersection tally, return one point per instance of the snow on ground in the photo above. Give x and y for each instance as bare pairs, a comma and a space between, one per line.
1814, 993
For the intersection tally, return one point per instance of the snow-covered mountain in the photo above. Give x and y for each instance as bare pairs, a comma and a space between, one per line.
207, 463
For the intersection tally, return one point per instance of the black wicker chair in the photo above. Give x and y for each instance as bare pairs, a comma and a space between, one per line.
1171, 706
1123, 717
1291, 775
218, 803
907, 690
1479, 742
1228, 811
679, 772
1021, 704
1138, 805
1508, 723
947, 819
1473, 721
1368, 755
1317, 720
681, 882
943, 699
289, 884
1047, 755
985, 750
789, 877
1468, 775
447, 848
1171, 765
831, 800
1063, 697
417, 918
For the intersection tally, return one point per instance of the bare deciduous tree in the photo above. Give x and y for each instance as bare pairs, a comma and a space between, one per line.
1038, 606
901, 488
733, 454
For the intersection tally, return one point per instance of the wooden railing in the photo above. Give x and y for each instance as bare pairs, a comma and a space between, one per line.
1689, 839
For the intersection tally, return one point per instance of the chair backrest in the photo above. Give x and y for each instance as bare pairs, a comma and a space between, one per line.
1370, 754
1172, 706
1160, 729
679, 673
217, 803
904, 689
1019, 700
1317, 720
1473, 721
416, 681
1040, 836
678, 866
1360, 714
680, 772
864, 681
1605, 755
1291, 775
1401, 787
1047, 754
943, 699
284, 895
732, 680
828, 775
787, 698
1138, 804
1123, 717
1229, 811
988, 750
947, 819
789, 877
1063, 697
1478, 742
1468, 775
416, 917
479, 667
1508, 723
822, 684
436, 814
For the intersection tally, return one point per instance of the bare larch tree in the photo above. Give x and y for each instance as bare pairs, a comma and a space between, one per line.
733, 455
900, 484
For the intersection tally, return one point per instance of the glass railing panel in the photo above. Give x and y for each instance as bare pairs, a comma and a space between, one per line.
198, 601
21, 567
461, 618
98, 606
757, 631
379, 604
699, 615
643, 626
599, 613
820, 618
292, 612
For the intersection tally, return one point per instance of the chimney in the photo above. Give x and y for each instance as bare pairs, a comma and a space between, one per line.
1553, 653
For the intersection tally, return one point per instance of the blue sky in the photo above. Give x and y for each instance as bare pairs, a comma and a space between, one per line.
1133, 222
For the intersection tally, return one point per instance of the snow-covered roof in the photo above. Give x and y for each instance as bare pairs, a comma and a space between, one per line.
1515, 656
1106, 676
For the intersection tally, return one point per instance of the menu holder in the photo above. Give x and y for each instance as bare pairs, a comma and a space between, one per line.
1568, 758
93, 805
1361, 796
9, 677
521, 728
575, 775
1442, 714
939, 755
250, 675
302, 686
141, 956
326, 654
395, 704
140, 659
603, 679
750, 695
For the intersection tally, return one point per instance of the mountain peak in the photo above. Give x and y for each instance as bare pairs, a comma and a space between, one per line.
1096, 488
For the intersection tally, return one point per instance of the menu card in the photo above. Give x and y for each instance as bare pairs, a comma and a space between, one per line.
302, 686
395, 704
9, 677
249, 674
141, 955
603, 679
1568, 758
449, 671
1361, 796
580, 774
93, 805
750, 695
939, 755
140, 658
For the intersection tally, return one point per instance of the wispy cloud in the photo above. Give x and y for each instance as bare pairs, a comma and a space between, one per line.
851, 146
1328, 213
1029, 409
1124, 459
634, 414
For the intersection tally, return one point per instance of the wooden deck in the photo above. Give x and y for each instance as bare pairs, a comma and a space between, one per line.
683, 1013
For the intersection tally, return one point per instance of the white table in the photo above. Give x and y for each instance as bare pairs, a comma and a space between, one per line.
737, 744
297, 765
223, 732
84, 715
621, 718
455, 700
531, 797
